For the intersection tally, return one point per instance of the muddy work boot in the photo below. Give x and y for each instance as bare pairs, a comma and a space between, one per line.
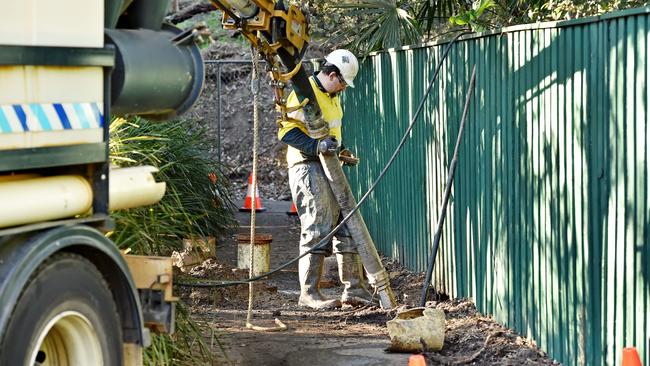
310, 268
355, 292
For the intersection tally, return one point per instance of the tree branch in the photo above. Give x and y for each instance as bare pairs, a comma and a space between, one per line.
191, 11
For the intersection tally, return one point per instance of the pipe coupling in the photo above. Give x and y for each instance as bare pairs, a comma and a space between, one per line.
318, 131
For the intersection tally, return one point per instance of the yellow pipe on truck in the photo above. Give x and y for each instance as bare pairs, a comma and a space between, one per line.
41, 199
133, 187
36, 199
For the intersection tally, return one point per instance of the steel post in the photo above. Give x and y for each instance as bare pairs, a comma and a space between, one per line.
219, 112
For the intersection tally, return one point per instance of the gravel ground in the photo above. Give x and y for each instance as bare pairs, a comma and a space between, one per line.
340, 337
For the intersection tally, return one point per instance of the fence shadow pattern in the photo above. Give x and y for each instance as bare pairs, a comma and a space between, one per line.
548, 223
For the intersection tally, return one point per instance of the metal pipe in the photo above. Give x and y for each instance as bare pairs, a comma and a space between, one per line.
134, 187
219, 112
44, 198
450, 182
35, 199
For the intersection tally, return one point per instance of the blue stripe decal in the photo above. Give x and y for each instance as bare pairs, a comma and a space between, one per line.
82, 116
4, 123
21, 116
98, 114
62, 116
42, 118
90, 116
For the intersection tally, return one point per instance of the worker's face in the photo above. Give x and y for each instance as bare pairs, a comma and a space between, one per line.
336, 83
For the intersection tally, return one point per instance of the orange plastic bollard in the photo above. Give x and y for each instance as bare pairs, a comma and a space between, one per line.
417, 360
631, 357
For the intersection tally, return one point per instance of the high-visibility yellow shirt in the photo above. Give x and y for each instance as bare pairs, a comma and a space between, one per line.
332, 114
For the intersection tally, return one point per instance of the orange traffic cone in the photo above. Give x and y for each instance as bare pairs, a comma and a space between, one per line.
630, 357
417, 360
248, 204
293, 211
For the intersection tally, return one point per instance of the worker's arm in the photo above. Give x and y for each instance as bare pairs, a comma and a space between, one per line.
309, 146
299, 140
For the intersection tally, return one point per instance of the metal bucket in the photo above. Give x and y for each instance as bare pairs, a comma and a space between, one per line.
261, 252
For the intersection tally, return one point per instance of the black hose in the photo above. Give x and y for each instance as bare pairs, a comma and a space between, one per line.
329, 236
450, 182
226, 9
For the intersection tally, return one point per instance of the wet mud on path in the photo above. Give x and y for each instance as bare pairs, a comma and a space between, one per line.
341, 337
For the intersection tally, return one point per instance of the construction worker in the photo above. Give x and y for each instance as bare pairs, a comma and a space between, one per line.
317, 207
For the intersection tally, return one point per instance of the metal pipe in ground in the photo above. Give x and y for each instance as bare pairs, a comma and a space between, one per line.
357, 227
445, 200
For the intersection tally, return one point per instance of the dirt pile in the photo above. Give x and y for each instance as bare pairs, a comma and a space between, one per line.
210, 269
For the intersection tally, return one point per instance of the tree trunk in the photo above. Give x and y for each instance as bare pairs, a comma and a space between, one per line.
191, 11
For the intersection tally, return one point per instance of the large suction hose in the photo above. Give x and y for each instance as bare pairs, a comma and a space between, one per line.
154, 75
158, 69
359, 231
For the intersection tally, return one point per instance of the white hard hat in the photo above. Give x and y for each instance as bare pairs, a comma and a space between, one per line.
347, 64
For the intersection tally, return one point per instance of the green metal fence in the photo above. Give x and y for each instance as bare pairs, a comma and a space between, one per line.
548, 226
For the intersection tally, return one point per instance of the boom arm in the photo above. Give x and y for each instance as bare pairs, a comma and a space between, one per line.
281, 37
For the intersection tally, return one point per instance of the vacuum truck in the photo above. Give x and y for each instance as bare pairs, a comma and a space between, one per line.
68, 296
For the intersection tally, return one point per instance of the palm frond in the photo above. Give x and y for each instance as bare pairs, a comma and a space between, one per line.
431, 12
380, 24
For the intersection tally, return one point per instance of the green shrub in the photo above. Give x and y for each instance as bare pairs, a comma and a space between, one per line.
196, 204
193, 206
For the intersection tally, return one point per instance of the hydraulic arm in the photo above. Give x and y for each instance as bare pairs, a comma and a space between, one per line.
280, 35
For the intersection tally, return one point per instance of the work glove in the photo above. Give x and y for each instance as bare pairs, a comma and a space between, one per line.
328, 145
347, 158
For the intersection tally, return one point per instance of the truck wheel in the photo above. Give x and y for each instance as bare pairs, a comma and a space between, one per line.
65, 315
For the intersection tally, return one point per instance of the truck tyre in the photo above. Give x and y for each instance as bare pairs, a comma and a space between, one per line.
65, 315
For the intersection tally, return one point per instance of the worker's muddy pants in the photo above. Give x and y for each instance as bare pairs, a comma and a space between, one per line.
319, 212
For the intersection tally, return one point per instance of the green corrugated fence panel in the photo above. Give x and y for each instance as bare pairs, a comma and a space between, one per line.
548, 224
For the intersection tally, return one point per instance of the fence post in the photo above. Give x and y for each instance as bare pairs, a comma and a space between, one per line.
219, 112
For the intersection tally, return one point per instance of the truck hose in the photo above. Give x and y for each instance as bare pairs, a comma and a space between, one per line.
328, 237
